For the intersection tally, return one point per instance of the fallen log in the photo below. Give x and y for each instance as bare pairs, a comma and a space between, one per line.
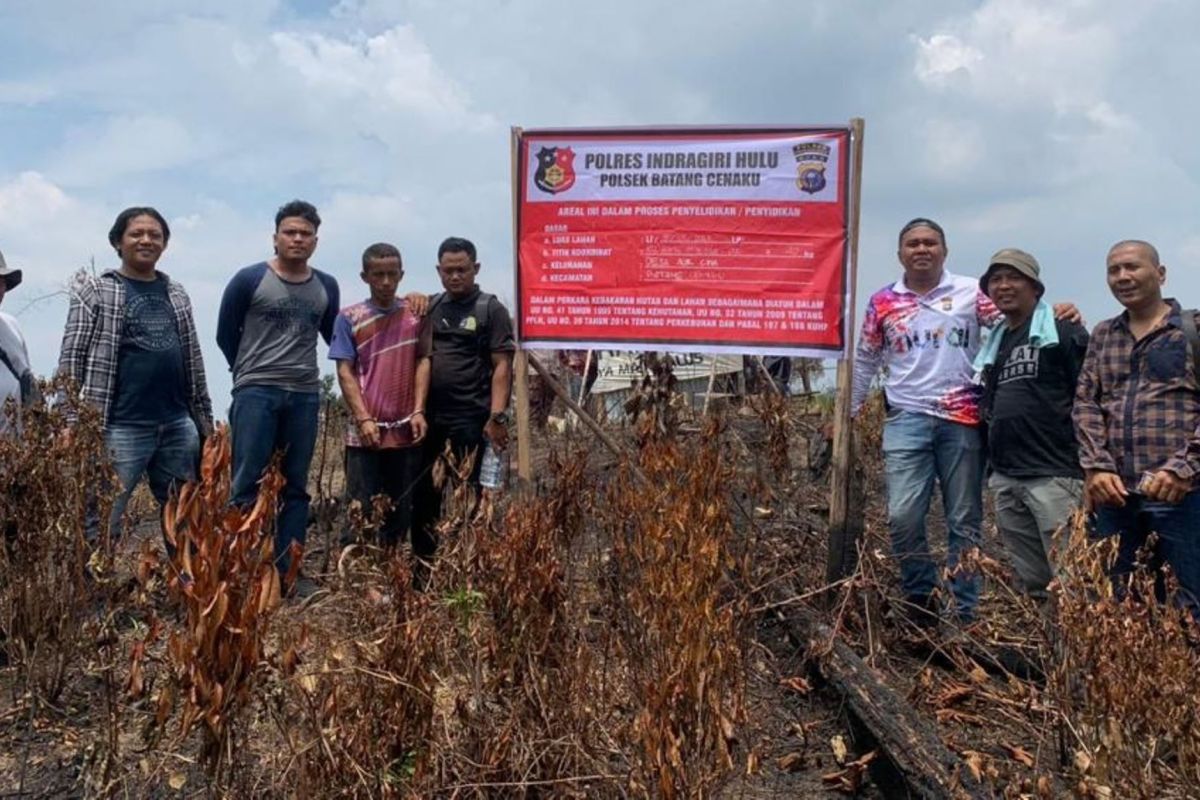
915, 762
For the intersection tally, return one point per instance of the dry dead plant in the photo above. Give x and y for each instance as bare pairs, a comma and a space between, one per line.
224, 577
677, 605
654, 405
1128, 678
773, 411
526, 717
49, 479
481, 685
357, 712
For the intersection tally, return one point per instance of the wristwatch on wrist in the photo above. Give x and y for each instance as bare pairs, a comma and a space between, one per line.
500, 417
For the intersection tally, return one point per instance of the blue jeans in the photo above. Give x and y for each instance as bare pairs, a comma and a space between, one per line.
918, 448
1178, 543
263, 420
166, 454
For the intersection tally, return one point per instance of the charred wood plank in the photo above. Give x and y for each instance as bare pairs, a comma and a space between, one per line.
916, 762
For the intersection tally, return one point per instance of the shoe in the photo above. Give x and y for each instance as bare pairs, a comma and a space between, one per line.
304, 587
920, 611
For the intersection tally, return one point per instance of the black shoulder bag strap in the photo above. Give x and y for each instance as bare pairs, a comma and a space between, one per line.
483, 318
1188, 318
24, 379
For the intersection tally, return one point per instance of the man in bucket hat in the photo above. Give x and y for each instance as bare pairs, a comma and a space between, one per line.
16, 379
1030, 367
923, 332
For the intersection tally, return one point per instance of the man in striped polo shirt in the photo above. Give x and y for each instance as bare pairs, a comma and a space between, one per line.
382, 351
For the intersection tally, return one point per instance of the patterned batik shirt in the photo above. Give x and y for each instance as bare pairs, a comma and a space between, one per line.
1137, 407
385, 346
926, 344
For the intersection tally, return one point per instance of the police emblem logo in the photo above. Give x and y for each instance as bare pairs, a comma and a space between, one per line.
555, 169
811, 160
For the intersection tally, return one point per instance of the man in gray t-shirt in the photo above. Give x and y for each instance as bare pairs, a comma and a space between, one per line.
279, 335
270, 316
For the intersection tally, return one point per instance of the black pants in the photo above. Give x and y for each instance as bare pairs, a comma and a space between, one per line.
465, 437
389, 472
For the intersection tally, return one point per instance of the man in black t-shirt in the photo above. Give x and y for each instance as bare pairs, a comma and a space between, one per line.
1030, 368
131, 348
470, 381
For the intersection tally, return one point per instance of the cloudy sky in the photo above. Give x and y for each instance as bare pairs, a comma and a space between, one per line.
1056, 127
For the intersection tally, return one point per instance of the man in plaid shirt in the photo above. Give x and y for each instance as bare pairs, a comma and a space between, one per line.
1137, 419
130, 346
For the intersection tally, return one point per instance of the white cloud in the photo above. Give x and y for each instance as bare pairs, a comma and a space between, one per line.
1022, 52
28, 198
128, 145
393, 71
942, 57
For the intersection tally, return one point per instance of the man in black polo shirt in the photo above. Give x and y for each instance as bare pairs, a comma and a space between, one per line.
470, 381
1030, 367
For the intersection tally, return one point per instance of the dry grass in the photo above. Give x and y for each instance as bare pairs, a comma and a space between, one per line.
1126, 678
592, 638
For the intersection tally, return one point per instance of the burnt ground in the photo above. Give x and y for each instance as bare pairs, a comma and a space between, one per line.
971, 685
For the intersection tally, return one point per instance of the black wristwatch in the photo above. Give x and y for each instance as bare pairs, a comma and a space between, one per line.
500, 418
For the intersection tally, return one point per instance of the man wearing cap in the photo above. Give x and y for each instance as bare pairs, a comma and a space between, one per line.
1030, 367
16, 378
924, 331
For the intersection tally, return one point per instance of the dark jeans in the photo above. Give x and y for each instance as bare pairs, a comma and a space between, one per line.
165, 454
465, 437
389, 472
1178, 542
265, 419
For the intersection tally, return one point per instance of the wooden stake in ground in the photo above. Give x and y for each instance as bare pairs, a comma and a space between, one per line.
520, 367
844, 531
766, 373
524, 428
712, 379
583, 384
587, 418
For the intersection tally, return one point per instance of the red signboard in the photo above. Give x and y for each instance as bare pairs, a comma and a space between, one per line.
710, 240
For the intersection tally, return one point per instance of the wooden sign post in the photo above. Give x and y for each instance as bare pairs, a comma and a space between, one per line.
844, 533
520, 361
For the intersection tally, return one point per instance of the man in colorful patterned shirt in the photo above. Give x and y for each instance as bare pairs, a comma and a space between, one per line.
924, 330
382, 352
1137, 419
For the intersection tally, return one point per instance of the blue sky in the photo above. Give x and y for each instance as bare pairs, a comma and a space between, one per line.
1055, 127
